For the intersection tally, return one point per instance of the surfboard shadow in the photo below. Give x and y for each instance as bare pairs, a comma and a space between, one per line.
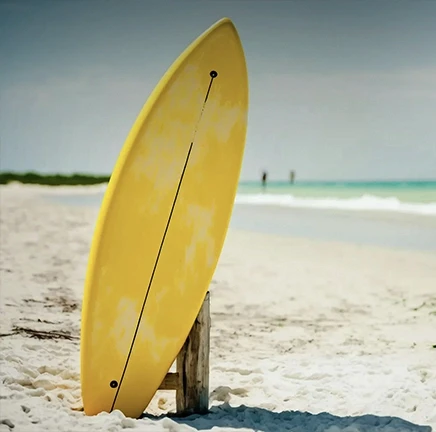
263, 420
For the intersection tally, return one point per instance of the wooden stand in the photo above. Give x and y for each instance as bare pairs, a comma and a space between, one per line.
191, 381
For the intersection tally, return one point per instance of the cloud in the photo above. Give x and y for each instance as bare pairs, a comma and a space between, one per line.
317, 87
90, 83
14, 6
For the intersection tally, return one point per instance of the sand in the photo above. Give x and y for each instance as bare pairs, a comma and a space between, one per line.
307, 335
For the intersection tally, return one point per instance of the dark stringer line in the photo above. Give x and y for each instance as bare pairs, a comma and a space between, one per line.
213, 74
113, 383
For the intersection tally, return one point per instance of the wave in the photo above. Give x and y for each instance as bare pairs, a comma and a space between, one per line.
365, 202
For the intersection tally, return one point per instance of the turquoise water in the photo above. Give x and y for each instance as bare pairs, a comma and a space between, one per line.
405, 191
412, 197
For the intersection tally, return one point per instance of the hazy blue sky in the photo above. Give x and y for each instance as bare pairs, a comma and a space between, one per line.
338, 89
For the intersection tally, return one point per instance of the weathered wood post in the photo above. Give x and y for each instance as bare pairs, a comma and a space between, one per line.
191, 381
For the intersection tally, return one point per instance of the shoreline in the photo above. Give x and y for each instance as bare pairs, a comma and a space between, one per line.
379, 228
393, 230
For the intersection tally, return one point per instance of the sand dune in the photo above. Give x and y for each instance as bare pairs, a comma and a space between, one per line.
306, 335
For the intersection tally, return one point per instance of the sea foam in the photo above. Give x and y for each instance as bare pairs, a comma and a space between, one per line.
364, 202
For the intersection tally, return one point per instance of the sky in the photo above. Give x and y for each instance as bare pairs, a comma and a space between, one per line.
339, 90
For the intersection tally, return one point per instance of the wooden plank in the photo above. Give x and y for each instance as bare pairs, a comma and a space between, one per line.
193, 366
170, 382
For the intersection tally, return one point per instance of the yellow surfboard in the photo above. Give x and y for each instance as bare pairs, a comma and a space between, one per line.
162, 223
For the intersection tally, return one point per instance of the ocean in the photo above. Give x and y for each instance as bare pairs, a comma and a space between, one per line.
415, 197
391, 214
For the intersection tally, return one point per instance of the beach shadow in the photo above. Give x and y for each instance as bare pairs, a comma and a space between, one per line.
262, 420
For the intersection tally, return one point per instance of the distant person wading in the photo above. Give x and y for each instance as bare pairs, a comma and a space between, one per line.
264, 177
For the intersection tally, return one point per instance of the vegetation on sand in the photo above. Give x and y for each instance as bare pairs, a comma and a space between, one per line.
74, 179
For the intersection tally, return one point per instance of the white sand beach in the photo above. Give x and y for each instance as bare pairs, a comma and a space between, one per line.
307, 335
